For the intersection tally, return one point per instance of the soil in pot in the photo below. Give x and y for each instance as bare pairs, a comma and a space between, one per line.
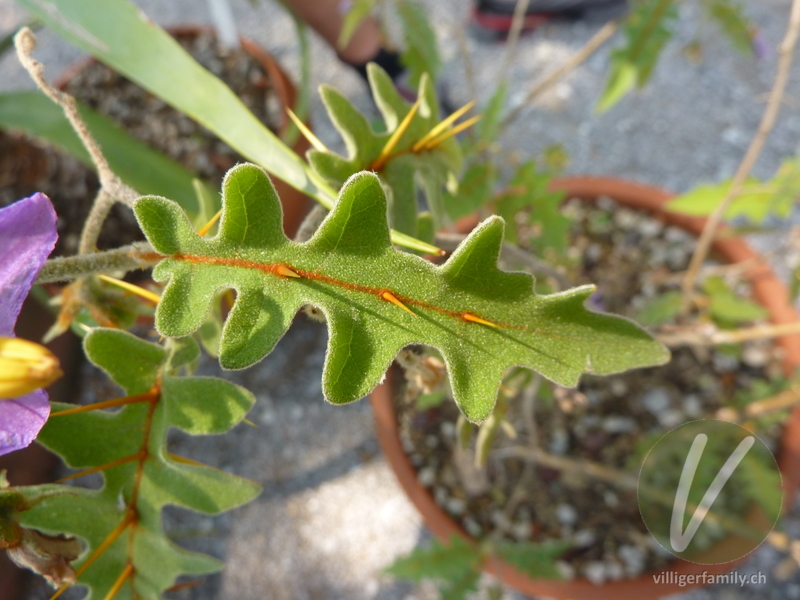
27, 166
613, 420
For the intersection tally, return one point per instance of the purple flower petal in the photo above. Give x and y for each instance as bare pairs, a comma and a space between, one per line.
27, 237
21, 419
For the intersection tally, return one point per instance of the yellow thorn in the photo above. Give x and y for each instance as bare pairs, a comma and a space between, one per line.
139, 291
314, 140
391, 143
124, 576
389, 297
250, 423
109, 465
185, 461
472, 318
207, 227
450, 133
442, 126
284, 271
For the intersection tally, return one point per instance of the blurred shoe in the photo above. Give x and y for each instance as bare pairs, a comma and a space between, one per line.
491, 20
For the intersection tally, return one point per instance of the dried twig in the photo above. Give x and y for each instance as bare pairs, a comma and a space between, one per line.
112, 189
767, 122
517, 21
709, 335
597, 40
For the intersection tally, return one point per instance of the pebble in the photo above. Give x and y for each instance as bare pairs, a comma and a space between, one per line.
584, 538
448, 429
441, 496
559, 442
521, 530
633, 558
692, 406
650, 227
431, 441
618, 387
724, 362
595, 572
594, 253
456, 506
566, 514
656, 400
426, 476
614, 570
500, 519
611, 499
618, 424
755, 356
565, 569
473, 527
670, 418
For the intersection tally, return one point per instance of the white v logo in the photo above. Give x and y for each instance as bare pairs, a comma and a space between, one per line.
681, 540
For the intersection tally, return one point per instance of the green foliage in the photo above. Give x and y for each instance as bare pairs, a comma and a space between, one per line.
141, 167
401, 173
763, 484
421, 54
729, 15
347, 267
647, 30
529, 192
455, 565
474, 190
661, 309
538, 560
757, 201
197, 405
358, 11
726, 307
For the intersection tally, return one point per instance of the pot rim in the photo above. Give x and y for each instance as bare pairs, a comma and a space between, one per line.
768, 290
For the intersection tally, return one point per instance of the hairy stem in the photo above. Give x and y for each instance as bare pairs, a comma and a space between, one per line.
711, 336
127, 258
112, 188
756, 145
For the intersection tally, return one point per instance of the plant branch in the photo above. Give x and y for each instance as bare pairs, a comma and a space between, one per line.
597, 40
709, 335
111, 187
517, 21
127, 258
756, 145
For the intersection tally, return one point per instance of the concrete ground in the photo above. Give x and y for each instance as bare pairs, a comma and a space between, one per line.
331, 515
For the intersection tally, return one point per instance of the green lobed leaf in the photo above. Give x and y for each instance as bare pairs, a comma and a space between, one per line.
421, 54
406, 170
729, 15
661, 309
358, 11
538, 560
647, 30
201, 405
726, 307
448, 562
347, 267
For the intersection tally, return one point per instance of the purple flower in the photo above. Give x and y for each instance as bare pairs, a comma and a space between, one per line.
27, 237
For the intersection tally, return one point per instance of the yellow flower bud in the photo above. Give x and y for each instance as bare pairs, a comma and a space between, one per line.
25, 366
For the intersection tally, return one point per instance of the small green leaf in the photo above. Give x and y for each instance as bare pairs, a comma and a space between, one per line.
661, 309
474, 190
538, 560
358, 11
647, 30
729, 15
726, 307
347, 268
421, 53
448, 562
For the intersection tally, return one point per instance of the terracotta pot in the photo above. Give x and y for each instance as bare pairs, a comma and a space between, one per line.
296, 205
768, 291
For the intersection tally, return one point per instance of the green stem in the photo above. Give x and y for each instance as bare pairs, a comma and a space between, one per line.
127, 258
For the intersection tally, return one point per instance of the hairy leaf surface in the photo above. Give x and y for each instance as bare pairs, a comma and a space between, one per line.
405, 169
197, 405
481, 319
